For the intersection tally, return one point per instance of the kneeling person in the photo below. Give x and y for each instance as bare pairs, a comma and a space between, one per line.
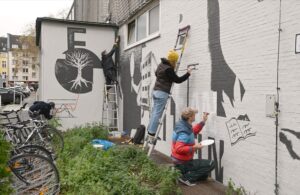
41, 108
184, 146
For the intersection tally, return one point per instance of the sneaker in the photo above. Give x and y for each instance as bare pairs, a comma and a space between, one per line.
151, 139
186, 182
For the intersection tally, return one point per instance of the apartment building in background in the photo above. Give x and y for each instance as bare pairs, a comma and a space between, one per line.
3, 59
22, 63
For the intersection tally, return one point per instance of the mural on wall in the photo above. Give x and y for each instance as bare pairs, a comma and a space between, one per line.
144, 89
223, 78
145, 86
239, 129
65, 107
213, 155
75, 72
288, 143
230, 90
130, 75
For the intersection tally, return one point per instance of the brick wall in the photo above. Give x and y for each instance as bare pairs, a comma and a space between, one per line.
236, 45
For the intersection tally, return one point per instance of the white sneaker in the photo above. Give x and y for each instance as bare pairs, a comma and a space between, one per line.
186, 182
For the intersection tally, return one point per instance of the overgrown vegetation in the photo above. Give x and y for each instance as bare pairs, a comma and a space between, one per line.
119, 170
5, 187
232, 189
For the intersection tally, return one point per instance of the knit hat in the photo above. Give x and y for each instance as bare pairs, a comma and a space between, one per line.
173, 56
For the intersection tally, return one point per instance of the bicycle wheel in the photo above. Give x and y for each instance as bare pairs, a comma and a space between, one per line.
50, 138
33, 149
34, 174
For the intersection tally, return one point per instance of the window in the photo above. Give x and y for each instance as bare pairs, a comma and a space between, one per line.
25, 63
131, 32
143, 26
13, 69
33, 75
25, 54
25, 78
3, 75
25, 70
14, 46
3, 64
154, 20
33, 66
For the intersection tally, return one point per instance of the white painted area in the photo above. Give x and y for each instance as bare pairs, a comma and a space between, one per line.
86, 107
249, 41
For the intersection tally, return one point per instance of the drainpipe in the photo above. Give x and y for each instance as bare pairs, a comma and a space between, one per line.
276, 190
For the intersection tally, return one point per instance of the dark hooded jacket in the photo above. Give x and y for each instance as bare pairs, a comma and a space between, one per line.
165, 76
42, 108
107, 60
183, 140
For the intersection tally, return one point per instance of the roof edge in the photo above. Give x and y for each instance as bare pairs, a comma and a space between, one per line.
38, 25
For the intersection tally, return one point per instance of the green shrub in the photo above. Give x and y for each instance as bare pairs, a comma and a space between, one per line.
5, 187
119, 170
233, 190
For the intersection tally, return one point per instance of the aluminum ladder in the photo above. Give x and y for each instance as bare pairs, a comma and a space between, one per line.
110, 111
179, 46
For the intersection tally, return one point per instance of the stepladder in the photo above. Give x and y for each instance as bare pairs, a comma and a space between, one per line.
180, 44
110, 110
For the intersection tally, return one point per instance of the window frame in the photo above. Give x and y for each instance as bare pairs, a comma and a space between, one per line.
148, 35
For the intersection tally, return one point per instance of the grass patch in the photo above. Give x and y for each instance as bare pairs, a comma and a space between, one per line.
119, 170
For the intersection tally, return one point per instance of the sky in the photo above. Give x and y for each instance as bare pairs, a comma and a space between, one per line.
16, 15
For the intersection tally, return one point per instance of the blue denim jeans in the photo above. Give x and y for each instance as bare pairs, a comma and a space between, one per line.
160, 99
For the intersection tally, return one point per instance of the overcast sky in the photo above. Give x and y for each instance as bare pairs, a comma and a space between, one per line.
15, 15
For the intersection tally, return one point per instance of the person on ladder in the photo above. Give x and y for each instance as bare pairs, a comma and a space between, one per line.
184, 147
109, 68
165, 76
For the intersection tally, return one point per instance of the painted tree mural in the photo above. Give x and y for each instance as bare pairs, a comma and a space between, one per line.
79, 60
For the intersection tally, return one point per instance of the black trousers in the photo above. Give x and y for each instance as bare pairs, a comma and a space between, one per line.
110, 76
196, 169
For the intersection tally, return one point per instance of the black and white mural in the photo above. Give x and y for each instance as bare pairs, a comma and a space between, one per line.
223, 78
283, 137
130, 78
75, 72
228, 87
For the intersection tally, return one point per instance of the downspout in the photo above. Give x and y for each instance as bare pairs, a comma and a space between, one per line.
276, 191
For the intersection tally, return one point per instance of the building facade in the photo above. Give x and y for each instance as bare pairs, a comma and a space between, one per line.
22, 61
3, 59
71, 70
248, 56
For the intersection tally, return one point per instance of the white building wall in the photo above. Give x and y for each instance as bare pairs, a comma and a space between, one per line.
249, 46
74, 108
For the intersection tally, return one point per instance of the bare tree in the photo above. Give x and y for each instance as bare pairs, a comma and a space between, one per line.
79, 60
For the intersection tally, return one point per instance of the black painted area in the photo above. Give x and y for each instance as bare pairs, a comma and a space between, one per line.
66, 70
132, 112
297, 134
71, 37
173, 111
243, 117
212, 151
289, 145
222, 77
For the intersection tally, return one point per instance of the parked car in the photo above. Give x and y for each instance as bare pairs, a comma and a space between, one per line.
7, 96
20, 89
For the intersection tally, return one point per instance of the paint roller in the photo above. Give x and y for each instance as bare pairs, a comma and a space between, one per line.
192, 66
